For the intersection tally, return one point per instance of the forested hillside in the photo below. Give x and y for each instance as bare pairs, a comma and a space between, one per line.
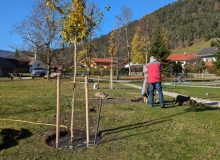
187, 22
190, 21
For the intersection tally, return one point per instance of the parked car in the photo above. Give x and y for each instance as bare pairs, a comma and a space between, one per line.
38, 72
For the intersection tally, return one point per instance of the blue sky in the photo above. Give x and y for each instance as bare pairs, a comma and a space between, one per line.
13, 11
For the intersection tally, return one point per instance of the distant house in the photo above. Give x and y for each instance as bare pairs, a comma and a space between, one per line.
99, 62
5, 67
183, 58
21, 66
9, 65
207, 55
35, 62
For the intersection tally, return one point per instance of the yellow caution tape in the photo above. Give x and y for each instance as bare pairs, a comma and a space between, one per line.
46, 124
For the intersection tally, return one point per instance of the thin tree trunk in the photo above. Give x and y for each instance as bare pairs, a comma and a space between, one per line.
74, 93
111, 74
129, 66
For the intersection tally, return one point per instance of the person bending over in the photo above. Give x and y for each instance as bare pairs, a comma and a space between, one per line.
153, 70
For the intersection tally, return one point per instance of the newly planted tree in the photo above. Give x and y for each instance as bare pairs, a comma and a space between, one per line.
76, 26
112, 52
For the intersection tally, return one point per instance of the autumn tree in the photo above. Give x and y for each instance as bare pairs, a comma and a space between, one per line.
76, 26
112, 50
137, 49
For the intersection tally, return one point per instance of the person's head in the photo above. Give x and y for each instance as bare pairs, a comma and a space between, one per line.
152, 58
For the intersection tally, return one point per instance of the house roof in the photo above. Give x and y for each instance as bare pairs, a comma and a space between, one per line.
4, 63
32, 61
19, 63
103, 60
207, 51
182, 57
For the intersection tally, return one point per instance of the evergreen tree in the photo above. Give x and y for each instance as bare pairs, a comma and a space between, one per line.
200, 67
16, 55
177, 67
217, 58
158, 46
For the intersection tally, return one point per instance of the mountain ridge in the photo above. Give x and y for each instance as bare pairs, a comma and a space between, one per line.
5, 53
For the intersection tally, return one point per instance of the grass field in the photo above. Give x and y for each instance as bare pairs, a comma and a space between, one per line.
194, 48
130, 130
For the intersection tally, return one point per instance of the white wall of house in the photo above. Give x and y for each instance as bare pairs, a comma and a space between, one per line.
38, 63
209, 59
182, 63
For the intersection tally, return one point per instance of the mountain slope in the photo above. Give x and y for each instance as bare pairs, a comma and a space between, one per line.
188, 23
4, 53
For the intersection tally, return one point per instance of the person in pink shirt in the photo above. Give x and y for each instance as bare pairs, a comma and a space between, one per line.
153, 70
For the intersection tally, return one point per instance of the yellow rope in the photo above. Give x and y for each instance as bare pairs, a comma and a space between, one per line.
33, 122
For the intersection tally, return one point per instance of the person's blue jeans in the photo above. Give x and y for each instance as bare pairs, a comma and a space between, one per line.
158, 86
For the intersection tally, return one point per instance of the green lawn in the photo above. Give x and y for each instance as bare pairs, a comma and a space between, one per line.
130, 130
195, 47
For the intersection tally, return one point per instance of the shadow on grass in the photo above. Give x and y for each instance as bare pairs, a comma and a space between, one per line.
10, 137
151, 122
132, 127
201, 109
168, 103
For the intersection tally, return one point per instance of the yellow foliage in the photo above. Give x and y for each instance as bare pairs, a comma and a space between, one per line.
112, 47
138, 55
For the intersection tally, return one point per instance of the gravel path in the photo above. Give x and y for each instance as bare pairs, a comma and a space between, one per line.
170, 94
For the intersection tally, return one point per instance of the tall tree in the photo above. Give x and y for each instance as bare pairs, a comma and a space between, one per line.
118, 39
124, 18
158, 46
40, 33
137, 48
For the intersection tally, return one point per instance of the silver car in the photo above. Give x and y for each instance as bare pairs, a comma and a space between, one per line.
38, 72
